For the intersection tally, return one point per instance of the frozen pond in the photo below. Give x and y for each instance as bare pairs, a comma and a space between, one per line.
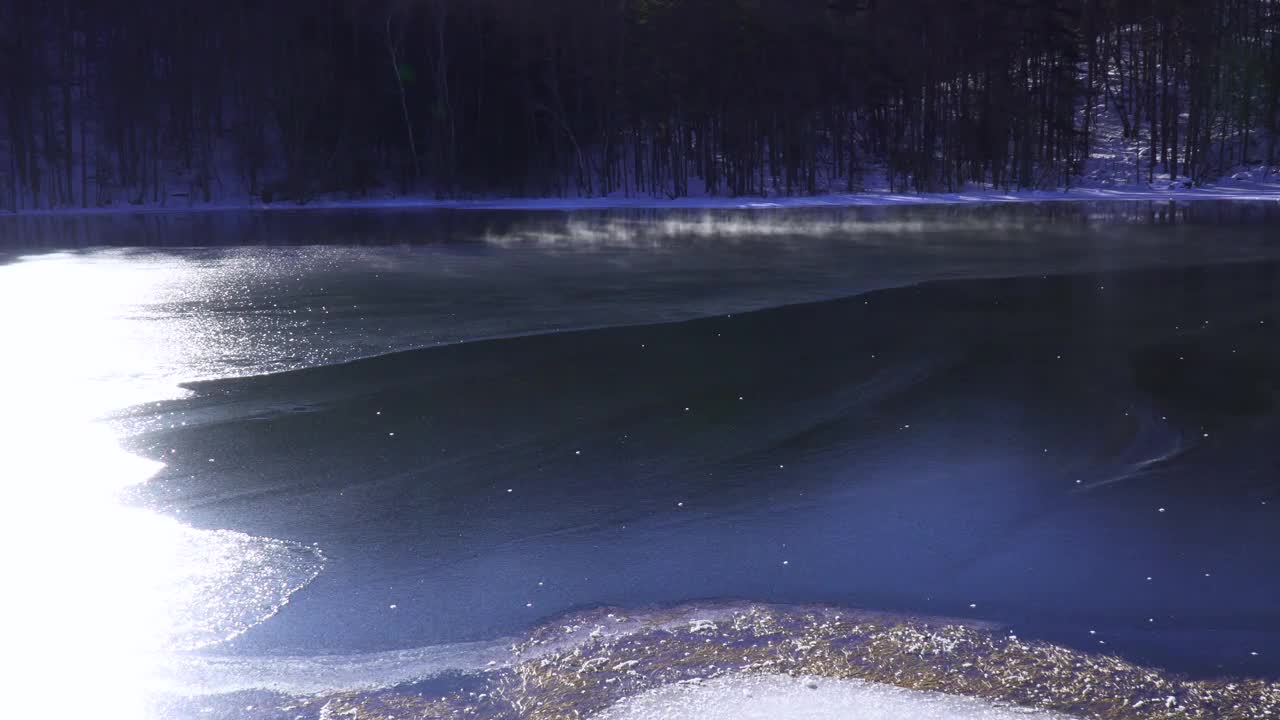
280, 455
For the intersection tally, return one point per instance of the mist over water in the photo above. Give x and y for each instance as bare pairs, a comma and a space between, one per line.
345, 450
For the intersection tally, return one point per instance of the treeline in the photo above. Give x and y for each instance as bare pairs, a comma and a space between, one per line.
162, 101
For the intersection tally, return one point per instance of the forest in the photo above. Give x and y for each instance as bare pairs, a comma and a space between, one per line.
115, 102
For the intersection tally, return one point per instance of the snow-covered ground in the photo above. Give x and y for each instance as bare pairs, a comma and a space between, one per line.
1245, 185
781, 697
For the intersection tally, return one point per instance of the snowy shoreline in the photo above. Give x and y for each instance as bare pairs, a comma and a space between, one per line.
1239, 191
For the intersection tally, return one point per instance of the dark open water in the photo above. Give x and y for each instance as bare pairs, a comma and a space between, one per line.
1061, 419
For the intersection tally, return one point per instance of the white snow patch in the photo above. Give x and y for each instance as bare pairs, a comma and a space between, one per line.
781, 697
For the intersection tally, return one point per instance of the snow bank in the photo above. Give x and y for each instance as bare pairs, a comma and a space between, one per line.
1243, 186
781, 697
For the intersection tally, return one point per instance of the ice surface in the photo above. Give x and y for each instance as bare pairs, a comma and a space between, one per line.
106, 573
781, 697
202, 675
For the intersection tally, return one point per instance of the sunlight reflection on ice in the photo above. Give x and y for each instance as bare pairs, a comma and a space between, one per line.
99, 593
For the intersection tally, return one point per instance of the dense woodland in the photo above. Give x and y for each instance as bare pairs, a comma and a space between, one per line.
168, 101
